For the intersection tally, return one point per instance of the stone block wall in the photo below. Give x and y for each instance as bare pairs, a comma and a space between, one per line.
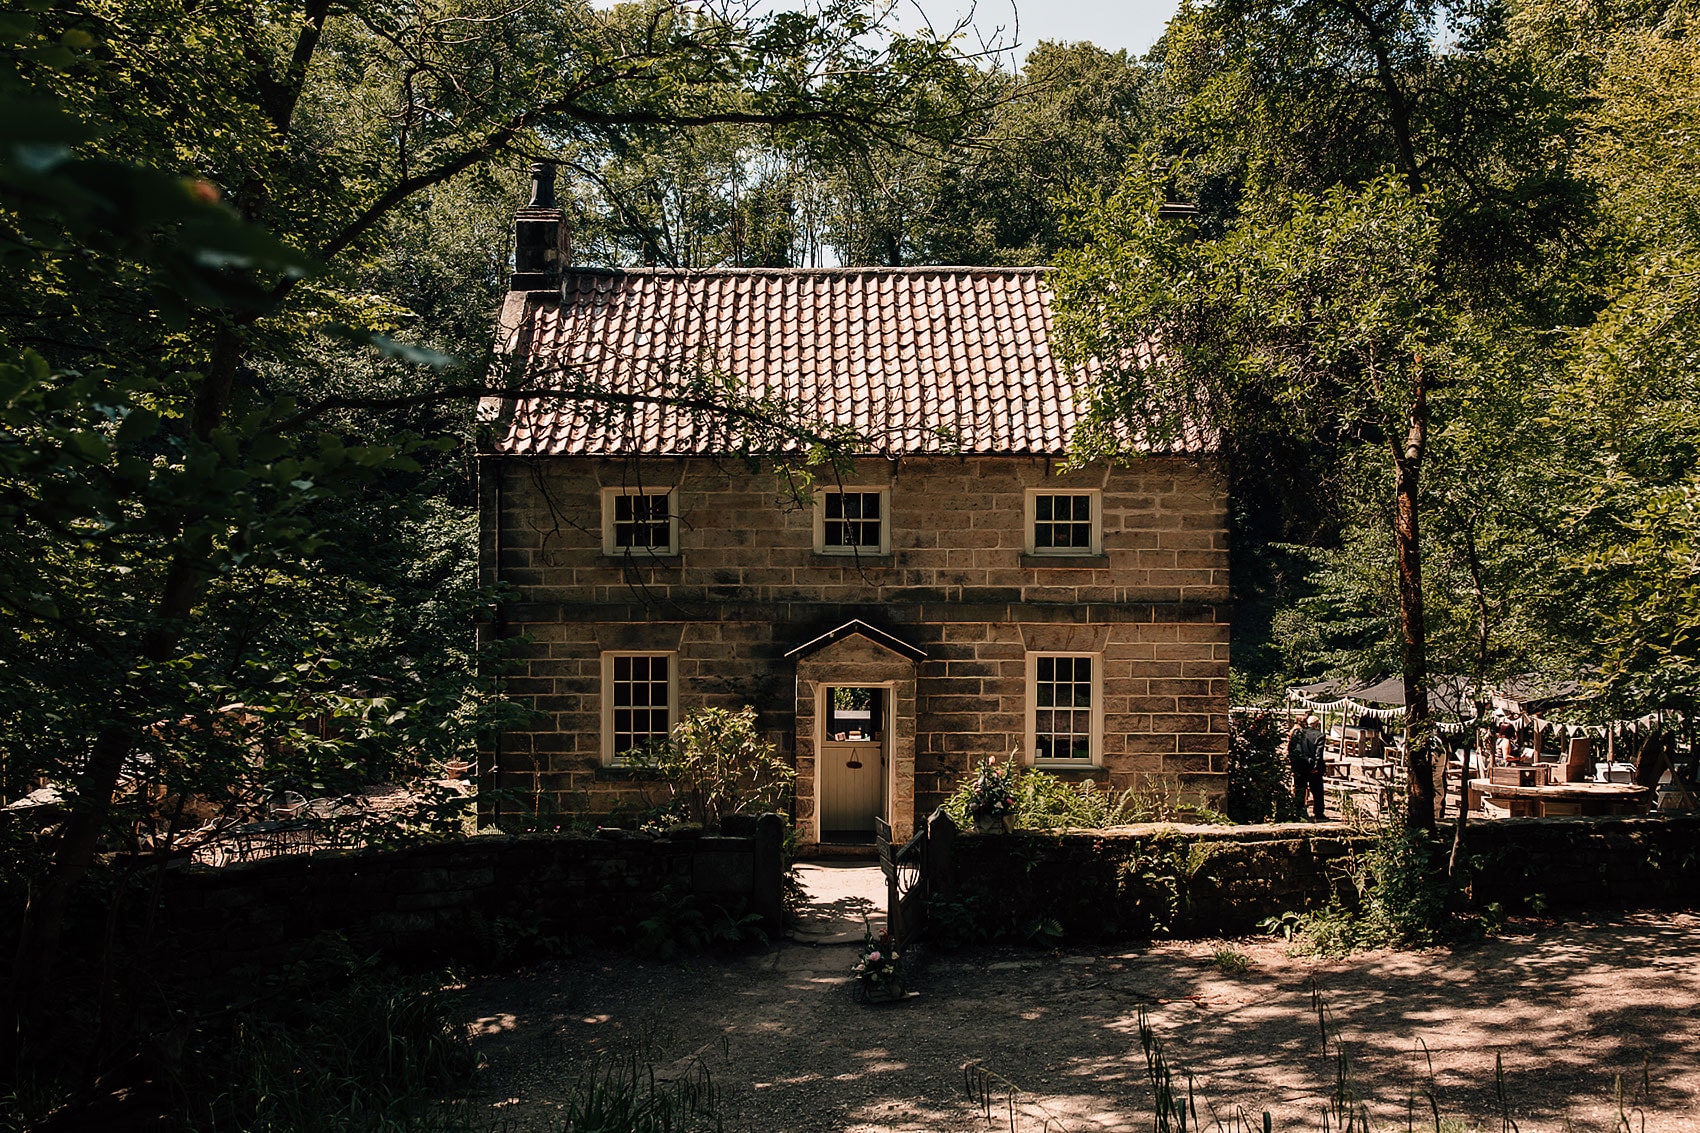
747, 586
1161, 880
445, 901
452, 899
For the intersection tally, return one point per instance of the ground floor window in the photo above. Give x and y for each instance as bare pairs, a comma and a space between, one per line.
639, 702
1065, 708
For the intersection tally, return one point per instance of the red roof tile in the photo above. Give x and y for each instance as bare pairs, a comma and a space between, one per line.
916, 360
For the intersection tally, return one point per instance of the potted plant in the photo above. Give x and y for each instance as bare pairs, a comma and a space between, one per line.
992, 803
879, 970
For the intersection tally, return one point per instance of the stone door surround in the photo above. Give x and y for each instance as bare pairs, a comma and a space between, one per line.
857, 654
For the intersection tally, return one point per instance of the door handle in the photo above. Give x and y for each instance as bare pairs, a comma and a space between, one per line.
852, 763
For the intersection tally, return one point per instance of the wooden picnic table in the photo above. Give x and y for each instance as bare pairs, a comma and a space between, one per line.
1565, 798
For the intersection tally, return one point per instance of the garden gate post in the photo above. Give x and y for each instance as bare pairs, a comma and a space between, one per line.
938, 855
767, 895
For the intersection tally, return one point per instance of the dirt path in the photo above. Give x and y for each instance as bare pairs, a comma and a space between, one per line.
1568, 1009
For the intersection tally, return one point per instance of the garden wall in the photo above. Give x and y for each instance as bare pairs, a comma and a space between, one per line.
488, 895
1163, 880
491, 896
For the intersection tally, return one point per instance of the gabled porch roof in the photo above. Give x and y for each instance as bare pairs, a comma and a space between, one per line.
874, 634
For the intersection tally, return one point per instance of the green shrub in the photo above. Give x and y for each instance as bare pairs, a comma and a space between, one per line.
1260, 785
1049, 802
717, 765
1401, 896
1231, 962
337, 1044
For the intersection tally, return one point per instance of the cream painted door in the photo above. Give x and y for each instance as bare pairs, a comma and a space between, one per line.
852, 782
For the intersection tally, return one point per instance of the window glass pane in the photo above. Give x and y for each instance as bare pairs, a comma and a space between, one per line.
1062, 521
644, 520
851, 519
638, 695
1062, 708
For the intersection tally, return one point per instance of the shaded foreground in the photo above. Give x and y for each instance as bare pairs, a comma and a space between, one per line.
1569, 1009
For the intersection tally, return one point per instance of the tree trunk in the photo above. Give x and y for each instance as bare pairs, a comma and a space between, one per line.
1419, 726
89, 811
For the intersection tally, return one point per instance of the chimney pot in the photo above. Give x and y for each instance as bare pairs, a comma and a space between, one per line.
542, 185
542, 241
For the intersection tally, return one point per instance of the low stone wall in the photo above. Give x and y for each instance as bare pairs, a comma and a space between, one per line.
481, 894
1163, 880
1565, 863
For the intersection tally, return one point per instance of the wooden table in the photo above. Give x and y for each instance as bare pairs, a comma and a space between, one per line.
1565, 798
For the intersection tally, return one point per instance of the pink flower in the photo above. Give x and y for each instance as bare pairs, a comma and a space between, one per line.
873, 957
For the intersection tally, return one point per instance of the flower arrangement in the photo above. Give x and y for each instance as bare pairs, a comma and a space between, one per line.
879, 970
993, 797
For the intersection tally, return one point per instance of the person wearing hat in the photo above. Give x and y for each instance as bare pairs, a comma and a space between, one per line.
1304, 753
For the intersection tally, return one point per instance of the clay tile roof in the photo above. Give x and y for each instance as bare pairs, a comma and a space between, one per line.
916, 360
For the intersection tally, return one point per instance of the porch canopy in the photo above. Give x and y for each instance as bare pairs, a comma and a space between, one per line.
874, 634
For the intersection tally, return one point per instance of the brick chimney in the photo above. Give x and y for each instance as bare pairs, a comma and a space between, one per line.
542, 242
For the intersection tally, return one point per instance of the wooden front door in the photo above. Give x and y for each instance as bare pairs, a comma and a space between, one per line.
852, 761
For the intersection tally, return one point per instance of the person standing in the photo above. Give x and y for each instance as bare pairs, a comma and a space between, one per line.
1304, 754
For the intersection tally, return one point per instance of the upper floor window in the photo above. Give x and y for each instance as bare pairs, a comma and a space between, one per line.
1064, 523
852, 521
1065, 710
639, 520
639, 702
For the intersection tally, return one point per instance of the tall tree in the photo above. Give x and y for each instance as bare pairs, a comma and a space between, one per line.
1318, 296
184, 430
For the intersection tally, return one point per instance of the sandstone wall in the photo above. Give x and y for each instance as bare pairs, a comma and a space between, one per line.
470, 897
448, 900
1201, 880
747, 585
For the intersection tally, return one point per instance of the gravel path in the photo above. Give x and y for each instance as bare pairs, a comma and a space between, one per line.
1566, 1009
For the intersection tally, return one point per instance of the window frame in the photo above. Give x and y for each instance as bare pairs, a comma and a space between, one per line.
609, 495
1095, 545
611, 758
848, 550
1095, 735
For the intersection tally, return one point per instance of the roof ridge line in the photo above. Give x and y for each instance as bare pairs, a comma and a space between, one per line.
911, 269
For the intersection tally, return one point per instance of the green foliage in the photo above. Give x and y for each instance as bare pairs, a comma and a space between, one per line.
1402, 898
1231, 961
622, 1096
244, 328
1045, 801
681, 921
990, 792
1176, 1109
717, 765
1260, 787
1030, 888
334, 1043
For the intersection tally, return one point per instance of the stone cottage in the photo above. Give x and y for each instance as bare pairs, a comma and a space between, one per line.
950, 593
